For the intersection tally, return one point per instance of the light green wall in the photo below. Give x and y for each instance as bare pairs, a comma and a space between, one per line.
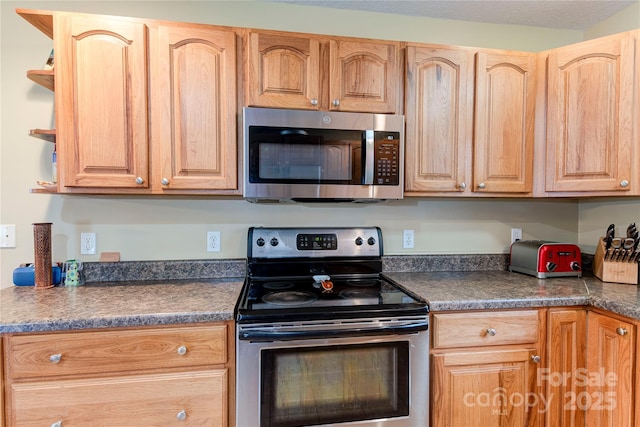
149, 228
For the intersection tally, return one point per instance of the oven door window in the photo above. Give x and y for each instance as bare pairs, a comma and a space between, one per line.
334, 384
305, 156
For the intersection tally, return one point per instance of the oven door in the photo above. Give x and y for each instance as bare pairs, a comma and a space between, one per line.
366, 380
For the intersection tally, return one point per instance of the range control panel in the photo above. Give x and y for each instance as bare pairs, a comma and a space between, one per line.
314, 242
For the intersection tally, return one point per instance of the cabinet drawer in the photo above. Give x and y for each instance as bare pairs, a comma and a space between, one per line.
194, 398
484, 328
73, 353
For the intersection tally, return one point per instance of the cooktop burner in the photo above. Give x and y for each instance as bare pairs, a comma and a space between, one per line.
289, 298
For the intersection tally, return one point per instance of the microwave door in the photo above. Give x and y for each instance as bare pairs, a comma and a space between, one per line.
369, 158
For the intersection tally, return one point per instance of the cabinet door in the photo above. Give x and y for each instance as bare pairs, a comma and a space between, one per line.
590, 116
491, 388
194, 108
101, 102
364, 76
566, 345
439, 119
610, 355
504, 124
283, 71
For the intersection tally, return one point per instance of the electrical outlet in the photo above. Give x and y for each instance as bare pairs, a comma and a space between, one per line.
407, 239
8, 236
213, 241
516, 234
87, 243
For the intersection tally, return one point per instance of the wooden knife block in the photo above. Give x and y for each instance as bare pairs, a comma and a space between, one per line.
611, 271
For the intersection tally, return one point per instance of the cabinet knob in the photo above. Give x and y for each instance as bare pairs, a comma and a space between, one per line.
182, 350
491, 331
336, 102
462, 186
624, 183
481, 185
621, 331
55, 358
182, 415
164, 181
57, 424
139, 180
535, 358
314, 101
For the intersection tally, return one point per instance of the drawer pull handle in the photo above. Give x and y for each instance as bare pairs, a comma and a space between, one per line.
491, 331
182, 350
55, 358
624, 183
536, 358
182, 415
57, 424
621, 331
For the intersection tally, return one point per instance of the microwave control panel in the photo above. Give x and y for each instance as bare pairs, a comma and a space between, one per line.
387, 158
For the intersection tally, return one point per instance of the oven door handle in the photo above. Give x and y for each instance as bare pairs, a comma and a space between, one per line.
269, 334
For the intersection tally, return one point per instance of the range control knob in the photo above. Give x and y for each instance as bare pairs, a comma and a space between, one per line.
371, 241
575, 266
359, 241
273, 241
260, 242
551, 266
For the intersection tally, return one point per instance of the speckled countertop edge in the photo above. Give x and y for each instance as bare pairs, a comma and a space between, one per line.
470, 282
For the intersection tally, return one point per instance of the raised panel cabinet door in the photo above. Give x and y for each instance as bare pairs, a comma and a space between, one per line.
439, 119
590, 115
565, 367
610, 365
504, 123
488, 388
283, 71
364, 76
101, 102
194, 108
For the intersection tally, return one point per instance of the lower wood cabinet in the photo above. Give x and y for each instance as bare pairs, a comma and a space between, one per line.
133, 377
611, 345
484, 369
555, 367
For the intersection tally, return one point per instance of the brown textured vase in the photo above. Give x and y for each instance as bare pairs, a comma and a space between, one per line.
42, 253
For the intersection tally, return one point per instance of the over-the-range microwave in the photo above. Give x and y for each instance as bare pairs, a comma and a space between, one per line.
317, 156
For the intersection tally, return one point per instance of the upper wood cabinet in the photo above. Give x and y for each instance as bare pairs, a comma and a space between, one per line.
194, 108
470, 121
591, 111
101, 102
143, 106
288, 70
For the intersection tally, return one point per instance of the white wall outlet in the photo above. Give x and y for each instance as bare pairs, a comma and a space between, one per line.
87, 243
516, 234
213, 241
8, 236
407, 239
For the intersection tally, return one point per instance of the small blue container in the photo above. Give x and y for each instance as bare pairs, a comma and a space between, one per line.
25, 276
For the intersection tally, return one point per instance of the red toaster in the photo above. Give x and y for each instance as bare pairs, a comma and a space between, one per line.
545, 259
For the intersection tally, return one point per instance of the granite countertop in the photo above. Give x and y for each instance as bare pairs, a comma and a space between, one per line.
117, 304
124, 303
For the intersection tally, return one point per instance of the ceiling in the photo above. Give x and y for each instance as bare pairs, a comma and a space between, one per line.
559, 14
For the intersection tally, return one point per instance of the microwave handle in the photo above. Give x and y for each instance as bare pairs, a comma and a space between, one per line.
369, 156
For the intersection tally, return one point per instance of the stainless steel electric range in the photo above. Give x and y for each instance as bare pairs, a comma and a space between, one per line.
323, 338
